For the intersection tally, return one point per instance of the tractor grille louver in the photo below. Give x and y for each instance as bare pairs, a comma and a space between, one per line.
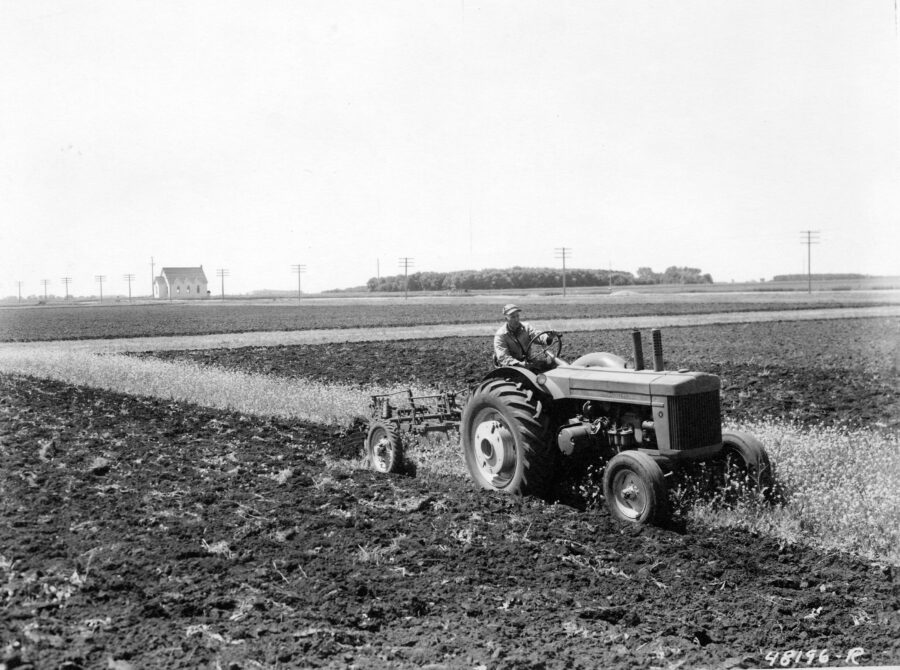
695, 420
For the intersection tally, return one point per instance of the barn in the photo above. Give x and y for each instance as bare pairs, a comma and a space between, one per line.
181, 284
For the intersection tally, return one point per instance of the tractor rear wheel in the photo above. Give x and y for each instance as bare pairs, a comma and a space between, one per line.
505, 439
635, 488
384, 447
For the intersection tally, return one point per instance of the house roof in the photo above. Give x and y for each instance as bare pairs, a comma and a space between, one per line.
193, 274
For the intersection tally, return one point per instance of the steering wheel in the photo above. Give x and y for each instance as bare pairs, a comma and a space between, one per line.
557, 341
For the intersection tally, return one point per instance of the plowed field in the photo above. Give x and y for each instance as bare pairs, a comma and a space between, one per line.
141, 533
844, 372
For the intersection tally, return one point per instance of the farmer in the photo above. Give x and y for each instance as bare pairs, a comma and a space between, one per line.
512, 339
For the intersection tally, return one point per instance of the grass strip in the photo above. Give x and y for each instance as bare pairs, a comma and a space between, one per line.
261, 395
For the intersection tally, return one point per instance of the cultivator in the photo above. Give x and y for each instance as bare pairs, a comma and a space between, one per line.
399, 412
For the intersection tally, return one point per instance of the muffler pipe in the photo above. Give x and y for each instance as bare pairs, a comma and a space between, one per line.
638, 349
657, 350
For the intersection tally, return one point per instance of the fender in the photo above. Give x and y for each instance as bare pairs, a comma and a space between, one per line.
515, 373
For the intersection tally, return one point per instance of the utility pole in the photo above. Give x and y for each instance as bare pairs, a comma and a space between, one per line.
222, 273
809, 238
20, 290
100, 279
299, 270
406, 262
45, 282
563, 253
152, 278
67, 281
129, 278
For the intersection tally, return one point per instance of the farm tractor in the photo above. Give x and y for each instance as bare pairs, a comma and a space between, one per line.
519, 424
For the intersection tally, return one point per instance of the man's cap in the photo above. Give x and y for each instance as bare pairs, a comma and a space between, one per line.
510, 309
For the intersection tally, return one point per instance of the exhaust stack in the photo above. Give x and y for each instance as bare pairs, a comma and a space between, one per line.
638, 349
657, 350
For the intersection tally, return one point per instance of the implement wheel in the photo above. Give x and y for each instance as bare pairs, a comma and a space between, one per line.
505, 440
635, 488
384, 447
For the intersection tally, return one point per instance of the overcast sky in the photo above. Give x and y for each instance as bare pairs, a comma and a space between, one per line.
343, 135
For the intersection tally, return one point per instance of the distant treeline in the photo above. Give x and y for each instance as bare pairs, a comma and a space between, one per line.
519, 277
819, 277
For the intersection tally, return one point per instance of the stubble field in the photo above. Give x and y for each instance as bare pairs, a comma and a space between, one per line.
141, 531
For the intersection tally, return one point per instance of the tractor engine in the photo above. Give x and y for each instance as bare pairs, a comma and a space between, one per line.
607, 427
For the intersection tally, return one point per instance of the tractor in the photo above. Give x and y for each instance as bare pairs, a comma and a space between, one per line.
520, 423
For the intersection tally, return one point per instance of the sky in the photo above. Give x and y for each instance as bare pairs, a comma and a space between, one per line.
346, 135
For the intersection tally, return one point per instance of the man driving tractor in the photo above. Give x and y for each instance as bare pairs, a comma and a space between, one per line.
513, 340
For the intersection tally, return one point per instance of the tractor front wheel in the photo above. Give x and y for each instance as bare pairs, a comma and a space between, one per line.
384, 447
635, 488
505, 441
745, 462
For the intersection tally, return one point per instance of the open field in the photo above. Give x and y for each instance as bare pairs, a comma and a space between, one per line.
54, 322
207, 508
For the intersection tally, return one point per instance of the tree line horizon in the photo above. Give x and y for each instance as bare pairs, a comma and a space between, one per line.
532, 277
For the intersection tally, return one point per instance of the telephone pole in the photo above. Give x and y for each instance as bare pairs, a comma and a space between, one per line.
100, 279
298, 270
19, 284
809, 238
221, 273
45, 282
406, 262
67, 281
563, 253
129, 278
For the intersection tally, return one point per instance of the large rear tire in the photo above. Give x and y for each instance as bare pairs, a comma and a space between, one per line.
505, 439
635, 488
745, 462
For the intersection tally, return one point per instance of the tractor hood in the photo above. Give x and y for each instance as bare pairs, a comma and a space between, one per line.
568, 381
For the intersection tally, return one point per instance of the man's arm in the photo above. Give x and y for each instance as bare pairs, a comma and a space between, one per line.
545, 339
501, 351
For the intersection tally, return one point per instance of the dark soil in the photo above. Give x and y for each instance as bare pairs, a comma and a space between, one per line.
844, 372
138, 533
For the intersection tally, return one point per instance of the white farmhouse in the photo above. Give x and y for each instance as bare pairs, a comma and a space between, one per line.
181, 284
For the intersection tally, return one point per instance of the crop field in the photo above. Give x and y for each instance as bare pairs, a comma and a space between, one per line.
63, 322
193, 502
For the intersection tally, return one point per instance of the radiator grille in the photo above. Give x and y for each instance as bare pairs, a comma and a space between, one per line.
695, 420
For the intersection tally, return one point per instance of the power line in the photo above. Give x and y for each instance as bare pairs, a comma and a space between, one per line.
129, 278
406, 262
298, 269
100, 279
221, 273
563, 253
809, 238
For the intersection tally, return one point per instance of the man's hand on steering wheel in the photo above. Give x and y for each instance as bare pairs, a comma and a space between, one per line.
552, 338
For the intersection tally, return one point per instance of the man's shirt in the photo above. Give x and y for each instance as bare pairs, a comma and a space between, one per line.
511, 347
